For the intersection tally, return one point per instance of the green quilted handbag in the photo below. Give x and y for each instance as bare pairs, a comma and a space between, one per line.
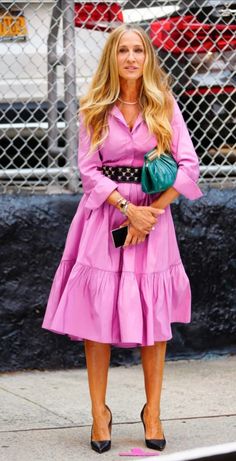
158, 173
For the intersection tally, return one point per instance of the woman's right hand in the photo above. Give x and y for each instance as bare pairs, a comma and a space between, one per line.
143, 218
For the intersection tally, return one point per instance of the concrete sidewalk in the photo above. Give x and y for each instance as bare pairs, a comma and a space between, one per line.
45, 415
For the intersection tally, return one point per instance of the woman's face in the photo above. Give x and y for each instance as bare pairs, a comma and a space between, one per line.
130, 56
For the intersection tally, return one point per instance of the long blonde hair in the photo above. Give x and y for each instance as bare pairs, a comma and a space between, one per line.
155, 97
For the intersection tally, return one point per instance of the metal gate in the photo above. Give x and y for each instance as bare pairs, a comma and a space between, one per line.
49, 51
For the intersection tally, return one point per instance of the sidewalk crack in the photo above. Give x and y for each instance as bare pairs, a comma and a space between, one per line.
120, 423
38, 405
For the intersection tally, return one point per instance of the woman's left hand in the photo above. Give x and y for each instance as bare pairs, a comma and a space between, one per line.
134, 236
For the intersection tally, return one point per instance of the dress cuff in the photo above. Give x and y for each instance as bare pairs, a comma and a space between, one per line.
99, 194
186, 186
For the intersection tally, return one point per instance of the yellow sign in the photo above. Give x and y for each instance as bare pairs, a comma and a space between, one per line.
12, 26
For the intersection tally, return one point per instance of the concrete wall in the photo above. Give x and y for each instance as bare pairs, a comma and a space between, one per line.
32, 235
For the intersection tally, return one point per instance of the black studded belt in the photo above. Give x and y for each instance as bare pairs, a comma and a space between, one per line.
122, 173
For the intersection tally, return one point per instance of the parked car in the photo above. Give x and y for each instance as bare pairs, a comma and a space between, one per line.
196, 43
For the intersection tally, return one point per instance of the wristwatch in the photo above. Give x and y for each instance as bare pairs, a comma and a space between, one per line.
123, 206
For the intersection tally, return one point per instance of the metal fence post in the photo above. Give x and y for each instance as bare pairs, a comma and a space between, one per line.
63, 9
52, 86
69, 61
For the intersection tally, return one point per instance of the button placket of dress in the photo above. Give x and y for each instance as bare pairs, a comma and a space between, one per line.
130, 251
131, 141
133, 186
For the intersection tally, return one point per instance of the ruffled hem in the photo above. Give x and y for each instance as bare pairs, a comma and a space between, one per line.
124, 309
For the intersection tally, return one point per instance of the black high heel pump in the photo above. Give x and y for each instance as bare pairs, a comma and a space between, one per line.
102, 445
155, 444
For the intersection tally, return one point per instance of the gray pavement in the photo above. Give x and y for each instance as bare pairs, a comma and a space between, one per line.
45, 415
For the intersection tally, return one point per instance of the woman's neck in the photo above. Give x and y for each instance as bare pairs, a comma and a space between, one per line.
130, 90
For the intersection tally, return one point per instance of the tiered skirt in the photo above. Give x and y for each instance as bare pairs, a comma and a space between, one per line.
126, 297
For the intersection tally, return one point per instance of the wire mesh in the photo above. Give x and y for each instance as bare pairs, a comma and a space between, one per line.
49, 51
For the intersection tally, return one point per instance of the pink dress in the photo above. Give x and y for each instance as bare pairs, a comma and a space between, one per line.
123, 296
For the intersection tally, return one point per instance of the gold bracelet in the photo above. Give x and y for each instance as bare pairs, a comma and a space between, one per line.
125, 208
119, 200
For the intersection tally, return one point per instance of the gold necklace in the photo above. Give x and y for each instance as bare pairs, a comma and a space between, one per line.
126, 102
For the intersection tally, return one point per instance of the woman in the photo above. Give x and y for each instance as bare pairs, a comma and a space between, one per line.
126, 296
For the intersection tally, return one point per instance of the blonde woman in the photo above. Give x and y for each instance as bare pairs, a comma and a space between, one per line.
126, 296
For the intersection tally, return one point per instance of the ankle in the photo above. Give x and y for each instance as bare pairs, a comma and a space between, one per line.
99, 410
152, 410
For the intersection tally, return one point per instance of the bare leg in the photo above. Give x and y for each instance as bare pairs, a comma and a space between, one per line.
153, 360
98, 360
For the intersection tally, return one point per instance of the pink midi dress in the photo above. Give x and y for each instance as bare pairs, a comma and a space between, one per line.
129, 296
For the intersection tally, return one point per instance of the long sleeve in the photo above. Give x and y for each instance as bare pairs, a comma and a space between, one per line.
95, 185
184, 153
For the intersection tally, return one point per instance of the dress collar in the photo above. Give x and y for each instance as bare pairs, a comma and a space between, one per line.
115, 111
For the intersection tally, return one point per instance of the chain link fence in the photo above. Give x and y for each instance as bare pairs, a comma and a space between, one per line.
49, 51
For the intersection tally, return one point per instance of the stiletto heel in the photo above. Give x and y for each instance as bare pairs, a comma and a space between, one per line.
155, 444
102, 445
